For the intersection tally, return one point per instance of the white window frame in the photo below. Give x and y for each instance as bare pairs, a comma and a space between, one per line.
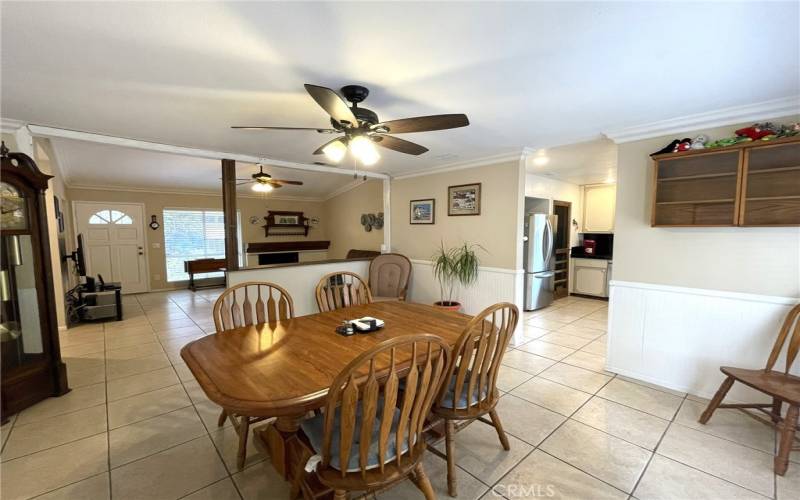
240, 243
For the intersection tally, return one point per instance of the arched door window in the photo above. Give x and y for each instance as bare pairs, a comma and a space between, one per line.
110, 217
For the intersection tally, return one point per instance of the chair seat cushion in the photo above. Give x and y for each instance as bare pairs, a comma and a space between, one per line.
314, 429
781, 385
461, 403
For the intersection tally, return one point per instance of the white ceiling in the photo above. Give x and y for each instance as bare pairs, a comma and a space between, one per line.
590, 162
87, 164
527, 74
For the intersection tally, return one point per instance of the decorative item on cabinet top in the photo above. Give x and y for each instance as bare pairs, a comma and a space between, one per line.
749, 184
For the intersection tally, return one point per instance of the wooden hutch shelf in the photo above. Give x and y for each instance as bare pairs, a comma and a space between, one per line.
749, 184
279, 223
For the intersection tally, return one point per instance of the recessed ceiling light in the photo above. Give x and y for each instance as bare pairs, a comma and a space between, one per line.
541, 161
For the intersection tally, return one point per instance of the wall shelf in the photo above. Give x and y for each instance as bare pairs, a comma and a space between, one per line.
750, 184
702, 176
695, 202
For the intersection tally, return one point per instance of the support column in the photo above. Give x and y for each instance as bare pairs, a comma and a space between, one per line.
229, 214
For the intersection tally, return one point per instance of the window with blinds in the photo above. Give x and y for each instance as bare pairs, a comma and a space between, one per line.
191, 234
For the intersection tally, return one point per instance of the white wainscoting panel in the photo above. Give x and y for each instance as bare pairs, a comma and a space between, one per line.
299, 281
679, 337
494, 285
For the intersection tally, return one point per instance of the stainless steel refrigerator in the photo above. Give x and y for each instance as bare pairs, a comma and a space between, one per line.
539, 259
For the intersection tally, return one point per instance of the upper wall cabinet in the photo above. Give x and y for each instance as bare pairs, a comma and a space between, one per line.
599, 205
752, 184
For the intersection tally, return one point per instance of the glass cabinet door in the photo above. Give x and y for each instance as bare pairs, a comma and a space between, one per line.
21, 340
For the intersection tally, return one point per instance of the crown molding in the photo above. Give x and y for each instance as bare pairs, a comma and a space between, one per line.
347, 187
192, 192
478, 162
9, 125
760, 111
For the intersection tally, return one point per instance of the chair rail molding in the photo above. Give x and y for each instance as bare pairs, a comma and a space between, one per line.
678, 337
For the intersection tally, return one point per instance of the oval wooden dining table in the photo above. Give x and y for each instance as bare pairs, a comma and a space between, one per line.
284, 369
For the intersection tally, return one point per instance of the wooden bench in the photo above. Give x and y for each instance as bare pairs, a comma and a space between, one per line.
199, 266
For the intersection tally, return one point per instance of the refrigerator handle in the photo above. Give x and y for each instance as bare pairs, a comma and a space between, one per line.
550, 242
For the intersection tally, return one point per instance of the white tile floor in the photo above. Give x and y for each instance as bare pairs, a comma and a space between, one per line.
137, 426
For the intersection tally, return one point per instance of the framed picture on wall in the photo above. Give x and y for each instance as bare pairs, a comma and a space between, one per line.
464, 199
422, 211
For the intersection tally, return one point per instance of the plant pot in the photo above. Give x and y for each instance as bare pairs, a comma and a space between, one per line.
448, 306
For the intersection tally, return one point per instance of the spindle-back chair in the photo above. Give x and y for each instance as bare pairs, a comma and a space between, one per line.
371, 432
247, 304
342, 289
780, 385
471, 390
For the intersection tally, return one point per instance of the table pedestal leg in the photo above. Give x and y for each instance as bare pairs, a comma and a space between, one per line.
281, 439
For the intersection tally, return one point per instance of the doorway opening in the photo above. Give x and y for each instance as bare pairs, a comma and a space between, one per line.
563, 210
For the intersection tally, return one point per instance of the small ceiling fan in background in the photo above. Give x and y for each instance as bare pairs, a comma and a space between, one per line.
264, 183
361, 128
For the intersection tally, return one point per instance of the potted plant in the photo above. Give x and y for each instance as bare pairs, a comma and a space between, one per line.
451, 267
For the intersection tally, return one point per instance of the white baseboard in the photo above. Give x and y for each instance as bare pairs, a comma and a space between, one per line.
678, 337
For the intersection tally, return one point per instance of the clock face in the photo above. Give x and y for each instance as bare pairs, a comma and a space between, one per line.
13, 213
154, 225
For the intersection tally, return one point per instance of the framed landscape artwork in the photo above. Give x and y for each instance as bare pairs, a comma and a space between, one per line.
464, 199
422, 211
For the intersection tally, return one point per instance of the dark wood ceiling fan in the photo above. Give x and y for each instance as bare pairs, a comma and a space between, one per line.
262, 181
356, 122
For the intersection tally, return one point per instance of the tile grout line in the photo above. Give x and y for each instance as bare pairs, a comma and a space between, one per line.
672, 421
655, 449
538, 447
205, 427
108, 417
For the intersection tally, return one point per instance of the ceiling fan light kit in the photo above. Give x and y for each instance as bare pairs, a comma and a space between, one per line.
363, 148
264, 183
335, 151
363, 130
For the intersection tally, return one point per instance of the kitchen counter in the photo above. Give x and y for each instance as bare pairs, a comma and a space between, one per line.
581, 255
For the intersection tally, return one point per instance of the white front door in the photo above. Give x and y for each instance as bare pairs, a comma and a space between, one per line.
113, 234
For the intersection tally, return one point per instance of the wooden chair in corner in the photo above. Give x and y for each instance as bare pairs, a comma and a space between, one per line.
471, 391
780, 385
244, 305
389, 274
341, 289
370, 434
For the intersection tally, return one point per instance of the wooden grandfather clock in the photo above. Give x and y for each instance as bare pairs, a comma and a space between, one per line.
30, 356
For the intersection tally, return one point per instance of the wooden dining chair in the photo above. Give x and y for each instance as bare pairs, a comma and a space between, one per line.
244, 305
780, 385
370, 434
389, 274
471, 391
341, 289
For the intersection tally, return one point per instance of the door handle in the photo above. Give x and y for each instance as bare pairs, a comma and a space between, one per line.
141, 251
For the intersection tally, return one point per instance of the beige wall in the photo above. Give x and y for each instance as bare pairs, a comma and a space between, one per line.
495, 229
343, 218
751, 260
155, 203
11, 141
